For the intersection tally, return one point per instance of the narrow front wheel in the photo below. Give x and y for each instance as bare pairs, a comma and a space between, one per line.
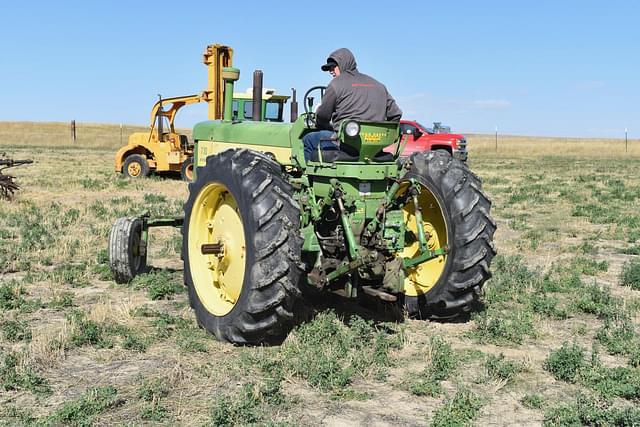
127, 249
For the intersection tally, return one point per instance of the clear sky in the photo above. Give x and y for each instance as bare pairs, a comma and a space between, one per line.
566, 68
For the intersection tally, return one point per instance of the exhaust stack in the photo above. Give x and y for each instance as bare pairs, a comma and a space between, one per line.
257, 95
294, 106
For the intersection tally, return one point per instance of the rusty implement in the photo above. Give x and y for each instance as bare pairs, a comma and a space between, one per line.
8, 186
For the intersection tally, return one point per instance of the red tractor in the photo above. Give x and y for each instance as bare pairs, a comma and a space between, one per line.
418, 138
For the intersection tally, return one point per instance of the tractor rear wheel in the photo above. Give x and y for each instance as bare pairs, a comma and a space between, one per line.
127, 249
135, 166
242, 248
455, 214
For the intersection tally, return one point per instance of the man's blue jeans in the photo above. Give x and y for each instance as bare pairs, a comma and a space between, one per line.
320, 138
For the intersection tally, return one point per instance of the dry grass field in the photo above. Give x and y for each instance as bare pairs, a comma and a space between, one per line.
554, 341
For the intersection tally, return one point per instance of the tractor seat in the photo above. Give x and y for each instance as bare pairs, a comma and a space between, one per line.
330, 156
383, 156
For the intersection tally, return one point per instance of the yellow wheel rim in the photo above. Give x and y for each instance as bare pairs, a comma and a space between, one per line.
134, 169
217, 278
423, 277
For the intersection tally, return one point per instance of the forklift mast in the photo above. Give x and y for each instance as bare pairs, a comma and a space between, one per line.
216, 57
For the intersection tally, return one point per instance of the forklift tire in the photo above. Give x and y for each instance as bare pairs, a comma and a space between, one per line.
469, 235
242, 248
127, 249
135, 166
186, 170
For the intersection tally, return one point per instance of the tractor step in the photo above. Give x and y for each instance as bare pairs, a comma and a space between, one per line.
379, 294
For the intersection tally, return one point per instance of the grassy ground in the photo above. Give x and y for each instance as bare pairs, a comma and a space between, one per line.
555, 340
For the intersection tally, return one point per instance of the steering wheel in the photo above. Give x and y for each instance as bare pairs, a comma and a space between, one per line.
305, 100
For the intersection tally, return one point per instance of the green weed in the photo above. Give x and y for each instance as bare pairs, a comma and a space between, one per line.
501, 369
630, 275
634, 357
11, 295
531, 239
73, 275
588, 266
590, 412
561, 280
152, 392
101, 268
15, 330
84, 410
565, 363
621, 381
153, 389
88, 332
159, 284
587, 248
134, 342
548, 305
14, 378
240, 409
22, 416
533, 401
188, 337
597, 214
92, 184
511, 279
442, 364
618, 335
599, 301
631, 250
535, 193
99, 210
503, 327
61, 300
328, 354
459, 411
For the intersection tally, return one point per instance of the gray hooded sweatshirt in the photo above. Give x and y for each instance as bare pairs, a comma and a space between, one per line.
353, 95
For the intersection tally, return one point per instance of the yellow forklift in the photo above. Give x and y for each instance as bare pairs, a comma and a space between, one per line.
163, 149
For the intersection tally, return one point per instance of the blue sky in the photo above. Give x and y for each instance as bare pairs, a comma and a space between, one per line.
565, 68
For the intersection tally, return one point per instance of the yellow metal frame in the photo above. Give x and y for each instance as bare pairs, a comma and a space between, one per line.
164, 152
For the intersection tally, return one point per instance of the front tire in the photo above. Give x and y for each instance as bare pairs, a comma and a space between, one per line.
244, 291
127, 249
460, 220
186, 170
135, 166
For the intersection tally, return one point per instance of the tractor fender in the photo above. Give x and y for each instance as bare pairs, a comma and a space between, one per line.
126, 151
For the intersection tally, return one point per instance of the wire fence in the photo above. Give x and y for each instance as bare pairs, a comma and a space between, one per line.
72, 134
109, 136
487, 144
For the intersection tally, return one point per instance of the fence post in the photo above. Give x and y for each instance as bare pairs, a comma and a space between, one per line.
626, 141
73, 131
496, 138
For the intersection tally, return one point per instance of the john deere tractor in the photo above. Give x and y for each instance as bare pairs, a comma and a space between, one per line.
263, 228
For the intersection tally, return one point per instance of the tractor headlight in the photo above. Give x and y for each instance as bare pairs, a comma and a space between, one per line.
352, 129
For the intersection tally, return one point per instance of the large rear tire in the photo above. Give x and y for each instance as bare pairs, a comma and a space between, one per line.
456, 214
244, 290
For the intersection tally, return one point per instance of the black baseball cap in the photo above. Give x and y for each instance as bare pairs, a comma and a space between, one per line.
329, 65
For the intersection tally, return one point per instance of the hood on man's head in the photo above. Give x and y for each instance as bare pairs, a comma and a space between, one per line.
343, 58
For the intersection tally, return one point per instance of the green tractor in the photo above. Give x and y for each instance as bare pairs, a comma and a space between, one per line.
263, 229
